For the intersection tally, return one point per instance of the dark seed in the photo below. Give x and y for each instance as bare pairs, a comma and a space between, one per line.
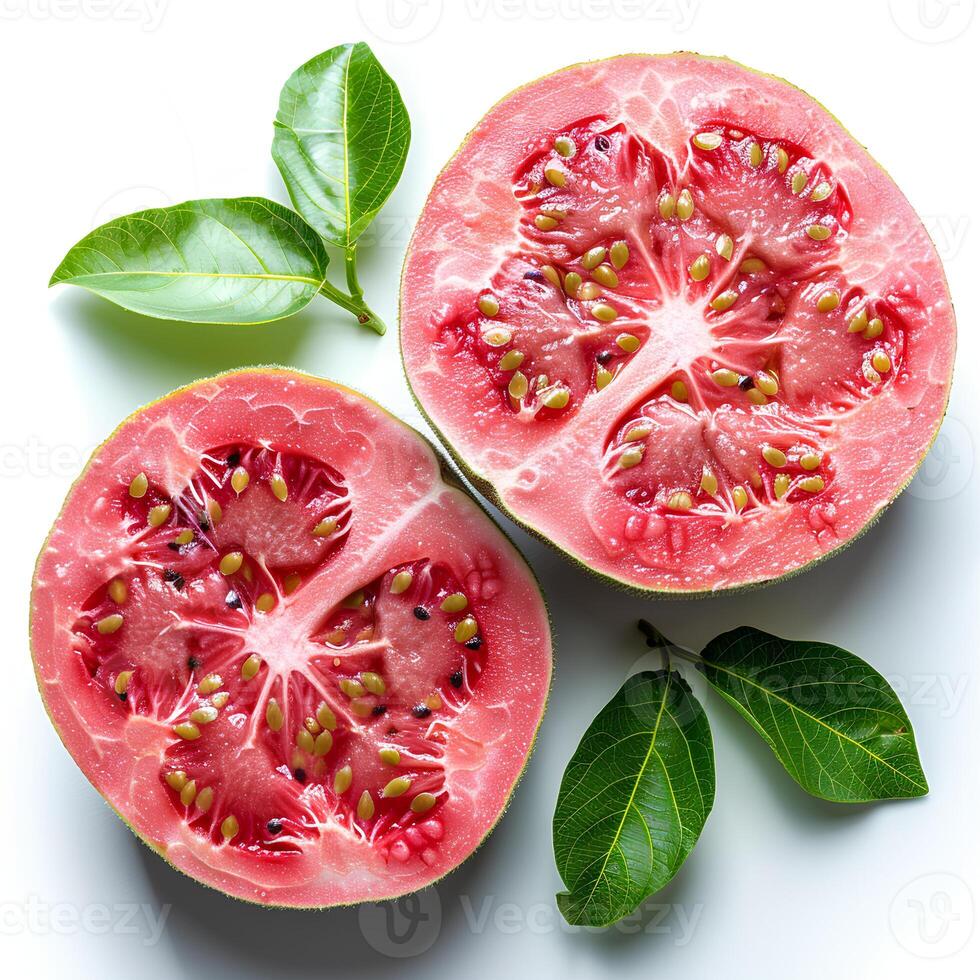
745, 382
421, 711
299, 775
473, 644
234, 459
173, 546
456, 678
421, 612
274, 826
175, 578
193, 663
233, 600
392, 730
122, 695
535, 275
604, 358
203, 523
379, 709
602, 143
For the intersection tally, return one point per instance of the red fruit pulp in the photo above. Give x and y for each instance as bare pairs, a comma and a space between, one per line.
669, 315
300, 665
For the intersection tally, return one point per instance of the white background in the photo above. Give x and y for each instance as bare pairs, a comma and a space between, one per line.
114, 105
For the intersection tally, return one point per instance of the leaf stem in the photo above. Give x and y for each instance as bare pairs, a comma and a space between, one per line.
657, 641
354, 303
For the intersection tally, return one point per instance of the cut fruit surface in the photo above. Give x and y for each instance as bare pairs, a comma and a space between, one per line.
298, 663
670, 316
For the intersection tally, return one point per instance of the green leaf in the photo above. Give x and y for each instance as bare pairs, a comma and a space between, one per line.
633, 799
341, 138
832, 720
238, 260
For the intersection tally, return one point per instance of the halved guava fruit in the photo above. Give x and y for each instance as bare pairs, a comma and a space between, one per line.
670, 316
301, 666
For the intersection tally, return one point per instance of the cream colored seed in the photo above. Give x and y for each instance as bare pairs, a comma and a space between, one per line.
109, 624
279, 489
818, 233
773, 456
326, 717
606, 276
423, 803
637, 433
122, 681
205, 799
565, 146
466, 630
265, 602
619, 254
342, 780
725, 377
880, 361
812, 484
630, 457
512, 360
454, 603
709, 482
220, 699
707, 141
667, 206
373, 682
204, 715
821, 192
588, 291
118, 592
497, 337
517, 388
355, 600
725, 246
874, 329
239, 479
389, 756
397, 787
756, 397
755, 155
593, 257
798, 181
433, 702
188, 793
551, 274
325, 527
138, 486
828, 301
628, 342
755, 478
724, 301
177, 779
766, 383
229, 828
602, 378
251, 667
365, 806
573, 282
543, 223
557, 398
489, 305
685, 205
739, 497
352, 688
604, 312
555, 176
780, 485
231, 563
751, 266
810, 460
304, 741
158, 515
187, 730
273, 715
323, 744
680, 501
678, 391
214, 511
782, 160
401, 582
858, 323
185, 537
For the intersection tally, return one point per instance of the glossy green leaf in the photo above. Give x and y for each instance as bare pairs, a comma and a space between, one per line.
340, 142
633, 799
831, 719
237, 260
